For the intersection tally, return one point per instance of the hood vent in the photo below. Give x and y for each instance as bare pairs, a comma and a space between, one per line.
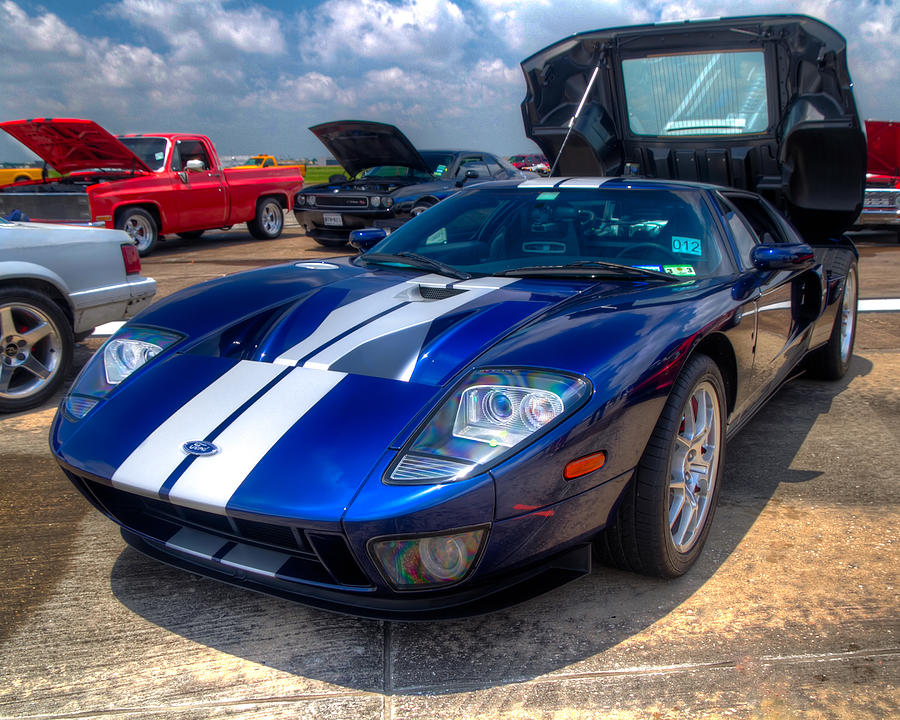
438, 293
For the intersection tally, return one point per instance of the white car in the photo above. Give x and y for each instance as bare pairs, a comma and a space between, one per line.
57, 283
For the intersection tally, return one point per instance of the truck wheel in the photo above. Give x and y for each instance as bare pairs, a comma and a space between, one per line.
269, 220
36, 348
141, 228
831, 361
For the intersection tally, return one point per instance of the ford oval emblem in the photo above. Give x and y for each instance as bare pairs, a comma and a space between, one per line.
200, 448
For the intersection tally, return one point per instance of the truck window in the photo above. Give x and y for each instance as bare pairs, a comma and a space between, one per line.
151, 150
189, 150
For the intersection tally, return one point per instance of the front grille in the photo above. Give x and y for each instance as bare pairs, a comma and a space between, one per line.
287, 552
341, 201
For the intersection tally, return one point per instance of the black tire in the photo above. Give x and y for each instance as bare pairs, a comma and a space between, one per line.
36, 347
832, 360
269, 220
190, 234
141, 228
420, 207
641, 532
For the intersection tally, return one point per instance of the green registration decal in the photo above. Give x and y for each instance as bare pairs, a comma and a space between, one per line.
547, 196
682, 270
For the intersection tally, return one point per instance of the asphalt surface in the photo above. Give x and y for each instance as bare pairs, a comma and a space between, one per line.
792, 610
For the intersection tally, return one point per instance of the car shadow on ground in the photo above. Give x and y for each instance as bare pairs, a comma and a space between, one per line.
556, 631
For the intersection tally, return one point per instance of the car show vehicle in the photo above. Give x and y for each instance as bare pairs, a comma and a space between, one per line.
390, 180
147, 185
57, 283
524, 162
10, 175
452, 420
266, 161
881, 208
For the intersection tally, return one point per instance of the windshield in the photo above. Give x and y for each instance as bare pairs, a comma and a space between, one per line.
718, 93
255, 160
489, 231
151, 150
393, 171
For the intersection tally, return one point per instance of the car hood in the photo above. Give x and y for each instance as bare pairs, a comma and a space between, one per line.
804, 149
327, 368
70, 145
359, 144
883, 141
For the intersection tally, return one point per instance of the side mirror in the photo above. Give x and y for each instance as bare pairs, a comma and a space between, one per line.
469, 175
791, 256
194, 166
365, 239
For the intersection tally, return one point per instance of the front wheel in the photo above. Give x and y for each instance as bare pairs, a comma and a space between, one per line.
36, 347
832, 360
141, 228
664, 516
269, 220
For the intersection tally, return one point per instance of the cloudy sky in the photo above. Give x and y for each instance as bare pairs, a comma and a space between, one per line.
255, 74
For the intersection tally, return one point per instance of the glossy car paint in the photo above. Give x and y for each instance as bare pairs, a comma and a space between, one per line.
180, 202
351, 343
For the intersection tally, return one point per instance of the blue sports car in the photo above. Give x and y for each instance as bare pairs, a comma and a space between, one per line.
453, 419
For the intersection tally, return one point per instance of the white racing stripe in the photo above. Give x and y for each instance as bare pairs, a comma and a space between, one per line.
409, 316
210, 481
343, 319
587, 183
157, 457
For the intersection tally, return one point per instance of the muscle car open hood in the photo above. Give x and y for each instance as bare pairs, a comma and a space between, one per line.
358, 144
760, 103
70, 145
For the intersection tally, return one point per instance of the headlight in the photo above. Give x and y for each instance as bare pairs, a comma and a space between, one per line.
120, 356
415, 562
300, 200
487, 416
375, 200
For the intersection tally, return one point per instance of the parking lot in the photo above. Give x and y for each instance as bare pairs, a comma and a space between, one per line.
791, 611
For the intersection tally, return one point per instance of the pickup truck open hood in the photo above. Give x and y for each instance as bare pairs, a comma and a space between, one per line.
759, 103
359, 144
71, 145
884, 147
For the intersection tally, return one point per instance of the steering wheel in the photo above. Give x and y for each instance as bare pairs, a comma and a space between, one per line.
651, 245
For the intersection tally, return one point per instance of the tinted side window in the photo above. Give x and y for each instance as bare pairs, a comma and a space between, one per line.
744, 238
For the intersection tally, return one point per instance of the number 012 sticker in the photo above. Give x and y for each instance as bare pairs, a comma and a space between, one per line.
686, 245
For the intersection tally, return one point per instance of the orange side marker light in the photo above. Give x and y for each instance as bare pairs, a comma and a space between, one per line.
584, 465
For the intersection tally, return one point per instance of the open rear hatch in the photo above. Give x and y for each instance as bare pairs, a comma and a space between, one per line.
759, 103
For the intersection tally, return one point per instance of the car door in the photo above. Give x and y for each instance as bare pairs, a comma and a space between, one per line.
784, 299
201, 198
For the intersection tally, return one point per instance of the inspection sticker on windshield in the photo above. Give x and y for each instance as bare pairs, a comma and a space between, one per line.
437, 238
655, 268
547, 196
682, 270
686, 245
439, 170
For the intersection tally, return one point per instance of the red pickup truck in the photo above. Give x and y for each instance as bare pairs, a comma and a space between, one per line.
881, 207
147, 185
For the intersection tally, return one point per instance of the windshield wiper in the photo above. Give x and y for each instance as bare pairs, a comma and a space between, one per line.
590, 267
417, 261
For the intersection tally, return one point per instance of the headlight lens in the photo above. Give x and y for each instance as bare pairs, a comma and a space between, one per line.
410, 563
487, 416
376, 201
120, 356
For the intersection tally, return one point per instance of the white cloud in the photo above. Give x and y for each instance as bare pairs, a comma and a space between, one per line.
422, 32
199, 29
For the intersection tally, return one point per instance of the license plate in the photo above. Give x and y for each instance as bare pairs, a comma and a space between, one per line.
332, 219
